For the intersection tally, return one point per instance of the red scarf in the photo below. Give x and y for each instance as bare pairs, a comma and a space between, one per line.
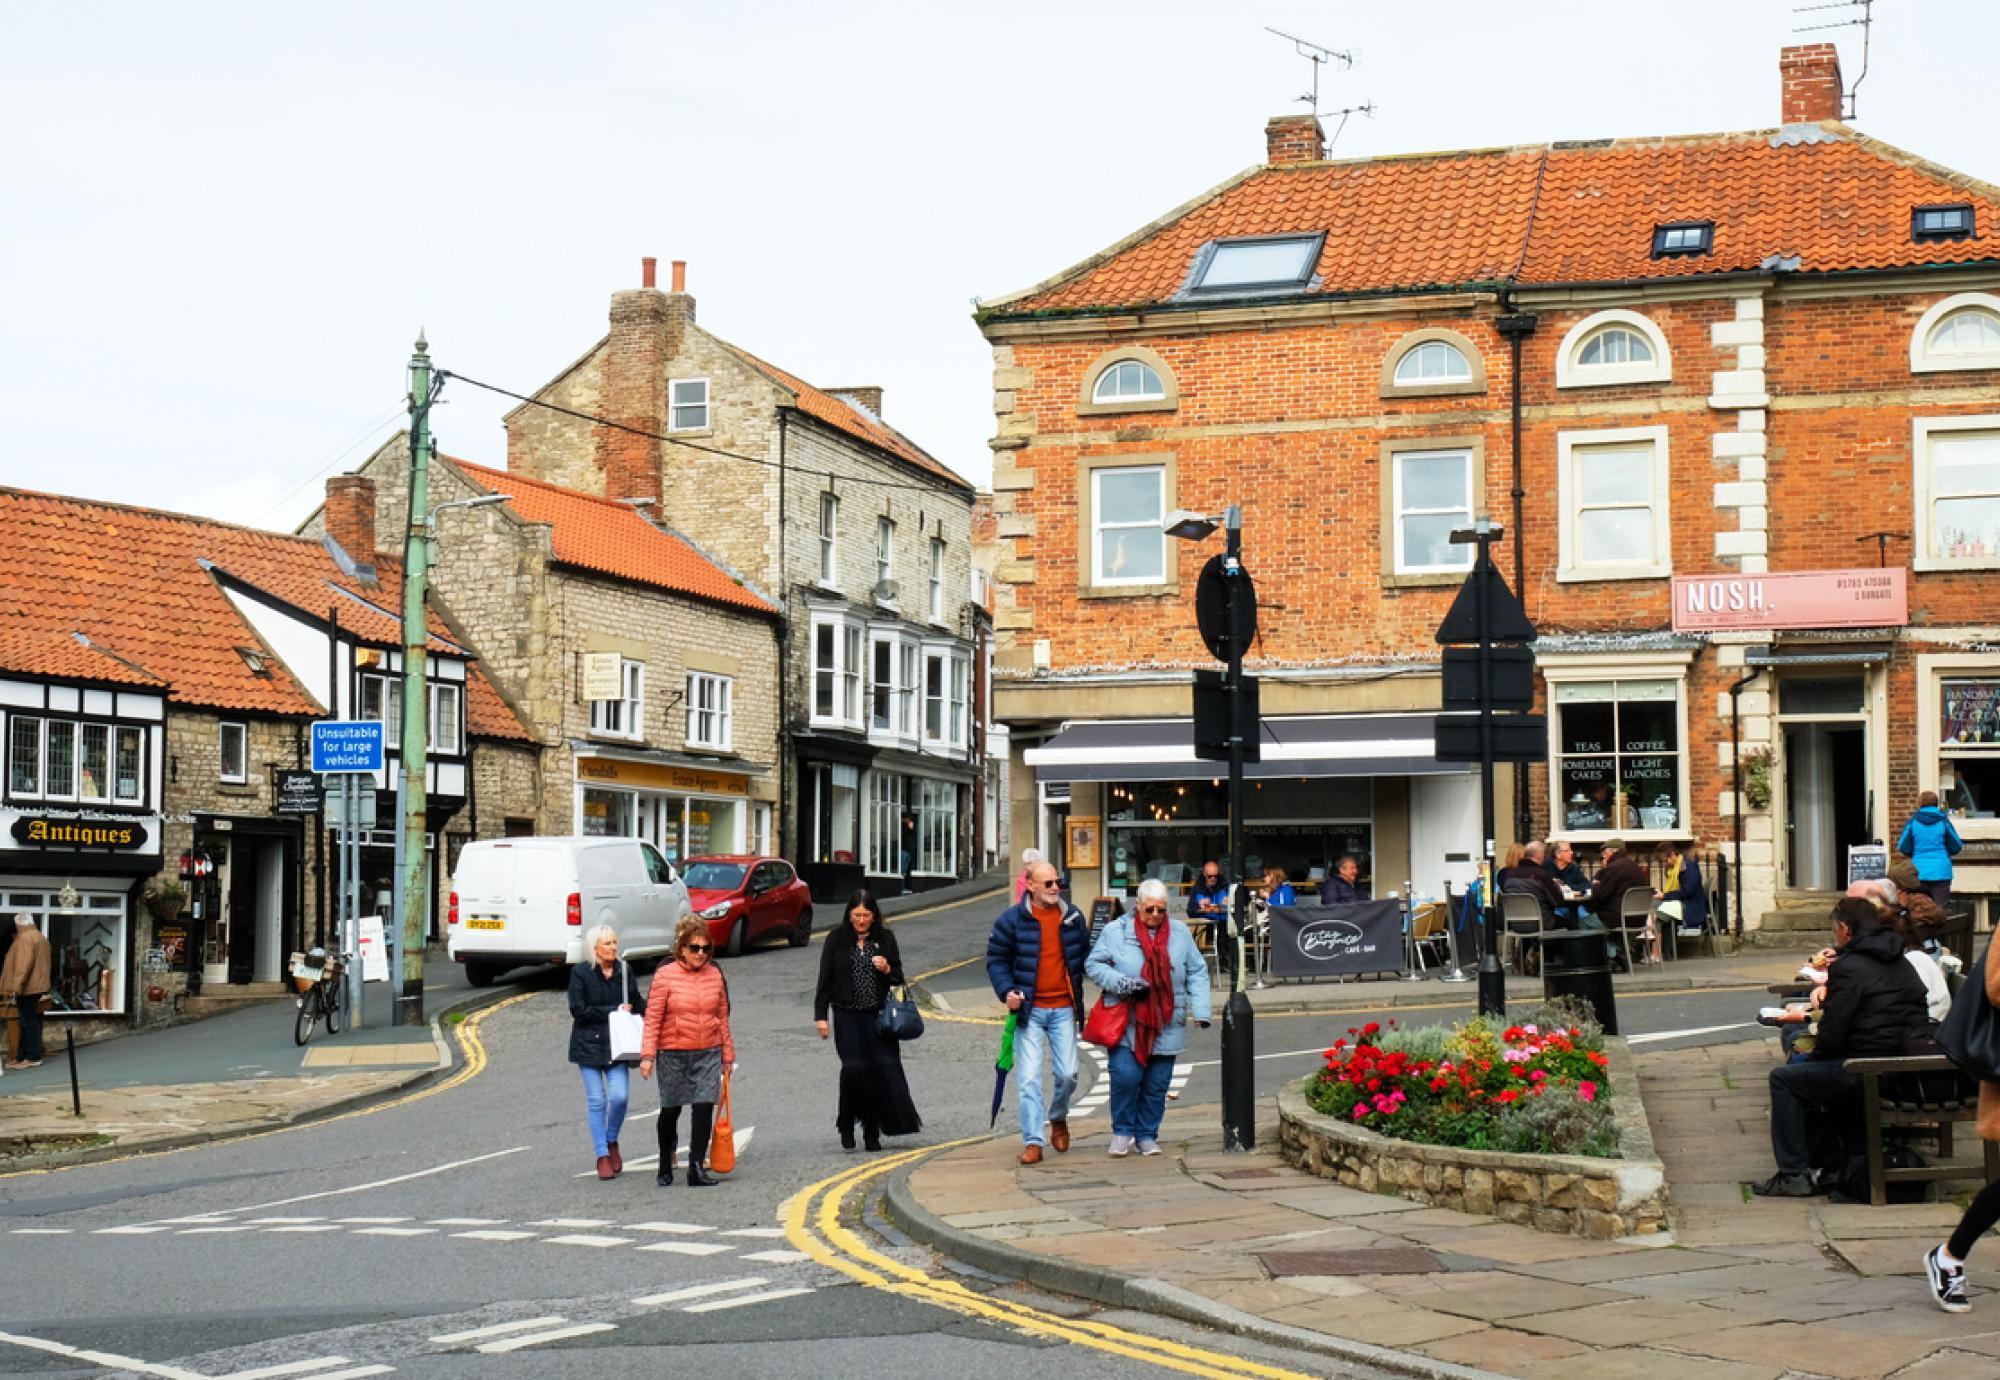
1153, 1008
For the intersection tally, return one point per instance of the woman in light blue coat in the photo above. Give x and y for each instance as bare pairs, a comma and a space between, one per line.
1148, 963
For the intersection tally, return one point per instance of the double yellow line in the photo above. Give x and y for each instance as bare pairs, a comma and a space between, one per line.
814, 1224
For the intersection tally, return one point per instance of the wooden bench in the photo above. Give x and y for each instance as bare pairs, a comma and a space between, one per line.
1896, 1100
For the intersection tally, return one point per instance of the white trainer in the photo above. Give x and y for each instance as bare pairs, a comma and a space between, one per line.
1121, 1146
1149, 1147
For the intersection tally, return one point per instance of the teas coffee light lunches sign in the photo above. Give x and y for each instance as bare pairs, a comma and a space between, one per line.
1869, 598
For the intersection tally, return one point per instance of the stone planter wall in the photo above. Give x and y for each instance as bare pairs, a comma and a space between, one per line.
1569, 1194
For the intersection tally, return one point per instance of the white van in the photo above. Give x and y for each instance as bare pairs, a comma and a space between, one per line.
531, 900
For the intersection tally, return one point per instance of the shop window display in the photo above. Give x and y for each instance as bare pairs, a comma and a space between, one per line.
1969, 753
1166, 830
86, 945
1618, 755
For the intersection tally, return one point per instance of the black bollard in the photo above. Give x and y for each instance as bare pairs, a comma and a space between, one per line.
75, 1093
1239, 1074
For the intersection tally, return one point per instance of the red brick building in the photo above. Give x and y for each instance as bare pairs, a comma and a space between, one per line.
1732, 356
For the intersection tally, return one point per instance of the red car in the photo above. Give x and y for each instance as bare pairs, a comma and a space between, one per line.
747, 900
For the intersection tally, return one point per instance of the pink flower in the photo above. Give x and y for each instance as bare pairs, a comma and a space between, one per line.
1360, 1112
1537, 1076
1587, 1091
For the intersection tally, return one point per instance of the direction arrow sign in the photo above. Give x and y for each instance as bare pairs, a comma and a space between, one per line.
347, 745
1505, 616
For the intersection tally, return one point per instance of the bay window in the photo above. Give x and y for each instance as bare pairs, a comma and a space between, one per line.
1619, 763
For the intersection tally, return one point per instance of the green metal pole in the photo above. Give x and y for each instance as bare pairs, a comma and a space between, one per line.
416, 696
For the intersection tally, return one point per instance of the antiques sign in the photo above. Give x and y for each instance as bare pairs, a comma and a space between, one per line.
41, 831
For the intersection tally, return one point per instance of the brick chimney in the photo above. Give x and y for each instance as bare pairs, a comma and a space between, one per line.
866, 396
1293, 139
1811, 87
647, 327
350, 515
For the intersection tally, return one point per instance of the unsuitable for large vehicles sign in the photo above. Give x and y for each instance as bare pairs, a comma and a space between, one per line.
347, 745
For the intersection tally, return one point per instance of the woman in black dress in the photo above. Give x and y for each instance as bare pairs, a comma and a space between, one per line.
858, 966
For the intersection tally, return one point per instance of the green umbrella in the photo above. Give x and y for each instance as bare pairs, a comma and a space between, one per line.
1002, 1066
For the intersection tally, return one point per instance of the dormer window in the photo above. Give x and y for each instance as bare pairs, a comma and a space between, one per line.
1266, 263
1941, 222
1683, 237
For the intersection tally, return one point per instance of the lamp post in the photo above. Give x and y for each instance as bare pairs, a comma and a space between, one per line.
1239, 1067
1492, 977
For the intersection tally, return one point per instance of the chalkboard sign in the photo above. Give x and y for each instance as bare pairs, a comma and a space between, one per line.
298, 793
1102, 912
1866, 862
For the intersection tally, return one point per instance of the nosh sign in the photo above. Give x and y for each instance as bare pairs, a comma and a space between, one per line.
1867, 598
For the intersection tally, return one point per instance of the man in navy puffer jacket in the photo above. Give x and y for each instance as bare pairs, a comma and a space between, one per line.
1034, 959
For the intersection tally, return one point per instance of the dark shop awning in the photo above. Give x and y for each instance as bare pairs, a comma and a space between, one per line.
1309, 745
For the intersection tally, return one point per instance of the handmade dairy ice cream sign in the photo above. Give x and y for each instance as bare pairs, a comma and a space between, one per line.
1868, 598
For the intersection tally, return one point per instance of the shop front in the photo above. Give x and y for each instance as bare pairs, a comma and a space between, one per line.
684, 810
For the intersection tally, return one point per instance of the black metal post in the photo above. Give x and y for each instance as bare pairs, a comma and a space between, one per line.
1492, 977
75, 1093
1239, 1044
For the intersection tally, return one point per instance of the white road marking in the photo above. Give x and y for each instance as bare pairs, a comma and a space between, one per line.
467, 1221
776, 1257
396, 1231
582, 1240
370, 1221
128, 1231
496, 1330
354, 1374
686, 1247
699, 1291
538, 1338
41, 1231
197, 1217
716, 1305
357, 1188
572, 1222
290, 1368
106, 1359
680, 1228
494, 1235
755, 1231
282, 1221
306, 1227
208, 1231
1653, 1036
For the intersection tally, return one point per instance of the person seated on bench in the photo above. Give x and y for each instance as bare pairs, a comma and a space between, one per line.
1874, 1004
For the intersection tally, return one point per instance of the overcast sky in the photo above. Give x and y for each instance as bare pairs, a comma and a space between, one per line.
223, 223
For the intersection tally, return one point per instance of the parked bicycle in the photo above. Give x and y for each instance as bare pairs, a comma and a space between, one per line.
320, 978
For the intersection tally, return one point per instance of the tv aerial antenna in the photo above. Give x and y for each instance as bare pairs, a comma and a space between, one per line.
1865, 21
1319, 56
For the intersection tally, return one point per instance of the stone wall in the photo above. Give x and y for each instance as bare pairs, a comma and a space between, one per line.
1573, 1195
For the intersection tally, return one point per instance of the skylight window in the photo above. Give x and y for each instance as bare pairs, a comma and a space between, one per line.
1274, 264
1683, 237
1941, 222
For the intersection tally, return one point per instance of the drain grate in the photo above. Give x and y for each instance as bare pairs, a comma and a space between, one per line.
1379, 1260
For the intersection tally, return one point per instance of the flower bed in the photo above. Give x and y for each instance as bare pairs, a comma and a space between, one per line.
1539, 1087
1441, 1144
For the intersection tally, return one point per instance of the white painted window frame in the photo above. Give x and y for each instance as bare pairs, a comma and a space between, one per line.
631, 724
1572, 374
1399, 511
1568, 443
241, 775
675, 405
1098, 527
1922, 429
1618, 666
710, 695
1922, 361
829, 538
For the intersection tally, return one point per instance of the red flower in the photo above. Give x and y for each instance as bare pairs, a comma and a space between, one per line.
1510, 1095
1372, 1028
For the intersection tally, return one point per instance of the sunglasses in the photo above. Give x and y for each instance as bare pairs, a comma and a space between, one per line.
1053, 881
699, 948
1152, 910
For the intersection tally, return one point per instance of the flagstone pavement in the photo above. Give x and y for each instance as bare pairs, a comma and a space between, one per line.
1746, 1289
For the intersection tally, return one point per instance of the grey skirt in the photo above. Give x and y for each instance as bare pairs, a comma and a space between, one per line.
689, 1076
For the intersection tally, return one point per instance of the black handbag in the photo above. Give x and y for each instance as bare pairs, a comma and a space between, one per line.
1970, 1035
899, 1018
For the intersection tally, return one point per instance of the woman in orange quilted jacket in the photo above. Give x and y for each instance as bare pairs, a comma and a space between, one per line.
687, 1035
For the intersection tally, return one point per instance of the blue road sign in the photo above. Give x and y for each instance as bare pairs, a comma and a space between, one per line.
347, 745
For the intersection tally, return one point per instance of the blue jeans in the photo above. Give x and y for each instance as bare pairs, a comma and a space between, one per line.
1139, 1093
605, 1091
1044, 1035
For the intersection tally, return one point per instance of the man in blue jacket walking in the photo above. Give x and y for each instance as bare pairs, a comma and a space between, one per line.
1929, 841
1034, 959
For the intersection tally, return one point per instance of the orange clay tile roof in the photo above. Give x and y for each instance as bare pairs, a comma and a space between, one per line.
1581, 213
612, 538
855, 421
146, 587
65, 656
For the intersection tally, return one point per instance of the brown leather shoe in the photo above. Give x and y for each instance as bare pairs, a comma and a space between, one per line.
1031, 1154
604, 1169
617, 1160
1059, 1136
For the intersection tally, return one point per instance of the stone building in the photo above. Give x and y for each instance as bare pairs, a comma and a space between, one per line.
859, 536
1703, 381
555, 588
158, 675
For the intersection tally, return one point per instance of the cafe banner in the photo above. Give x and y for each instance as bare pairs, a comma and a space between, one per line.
1333, 941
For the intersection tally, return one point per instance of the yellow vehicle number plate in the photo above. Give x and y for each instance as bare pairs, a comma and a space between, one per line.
486, 924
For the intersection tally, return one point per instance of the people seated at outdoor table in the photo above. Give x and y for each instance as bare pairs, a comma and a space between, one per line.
1683, 896
1618, 874
1278, 888
1344, 886
1874, 1004
1522, 872
1560, 860
1208, 904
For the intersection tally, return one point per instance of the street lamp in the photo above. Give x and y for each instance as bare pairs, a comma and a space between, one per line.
1227, 633
483, 501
